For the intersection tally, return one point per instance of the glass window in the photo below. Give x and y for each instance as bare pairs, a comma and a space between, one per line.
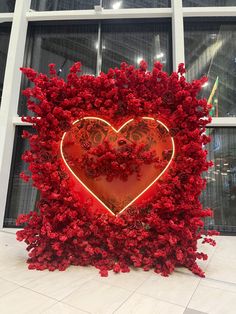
115, 4
7, 6
136, 40
208, 3
5, 30
210, 47
63, 45
22, 196
220, 193
56, 5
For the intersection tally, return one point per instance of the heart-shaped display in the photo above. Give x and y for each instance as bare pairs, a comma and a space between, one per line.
117, 165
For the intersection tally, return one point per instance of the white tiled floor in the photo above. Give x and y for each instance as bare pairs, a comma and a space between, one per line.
82, 290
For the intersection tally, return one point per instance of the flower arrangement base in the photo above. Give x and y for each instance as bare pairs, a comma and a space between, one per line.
89, 213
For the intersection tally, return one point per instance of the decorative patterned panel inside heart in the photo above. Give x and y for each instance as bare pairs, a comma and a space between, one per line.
117, 165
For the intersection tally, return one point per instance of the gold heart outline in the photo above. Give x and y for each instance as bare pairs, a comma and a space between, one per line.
117, 131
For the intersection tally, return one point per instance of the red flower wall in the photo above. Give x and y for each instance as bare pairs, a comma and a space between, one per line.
161, 231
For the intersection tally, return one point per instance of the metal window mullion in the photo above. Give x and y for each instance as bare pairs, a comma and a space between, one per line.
10, 96
209, 11
223, 122
99, 50
216, 122
177, 33
98, 15
6, 17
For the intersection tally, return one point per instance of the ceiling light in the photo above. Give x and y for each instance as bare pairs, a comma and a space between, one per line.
213, 36
117, 5
96, 46
139, 59
160, 55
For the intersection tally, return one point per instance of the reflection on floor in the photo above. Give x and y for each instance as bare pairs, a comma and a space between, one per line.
82, 290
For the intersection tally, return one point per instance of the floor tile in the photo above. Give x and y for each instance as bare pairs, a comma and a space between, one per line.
61, 308
222, 268
97, 297
140, 304
10, 230
59, 284
6, 286
191, 311
219, 284
13, 256
9, 240
177, 288
24, 301
213, 300
18, 272
129, 281
226, 246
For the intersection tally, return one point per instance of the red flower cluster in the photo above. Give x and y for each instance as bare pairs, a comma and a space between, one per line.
161, 232
113, 163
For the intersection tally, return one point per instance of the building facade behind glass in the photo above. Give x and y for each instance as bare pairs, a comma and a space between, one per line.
102, 34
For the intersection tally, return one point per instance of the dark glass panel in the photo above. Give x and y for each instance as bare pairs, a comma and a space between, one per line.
210, 47
62, 44
208, 3
132, 41
57, 5
115, 4
22, 196
5, 30
7, 6
220, 194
